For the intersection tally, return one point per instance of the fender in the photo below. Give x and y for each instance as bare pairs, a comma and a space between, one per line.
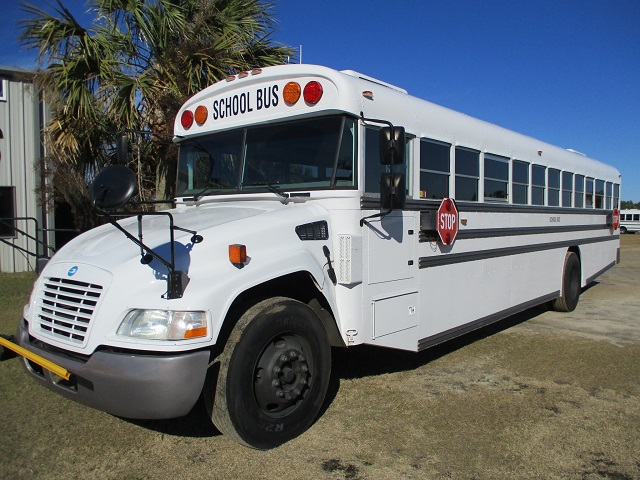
301, 260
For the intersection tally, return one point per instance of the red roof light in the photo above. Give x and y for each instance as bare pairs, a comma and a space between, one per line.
312, 92
186, 119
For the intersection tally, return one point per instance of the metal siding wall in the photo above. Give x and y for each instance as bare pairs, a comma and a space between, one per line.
20, 152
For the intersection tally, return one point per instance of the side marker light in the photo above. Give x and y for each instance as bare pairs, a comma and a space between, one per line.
238, 254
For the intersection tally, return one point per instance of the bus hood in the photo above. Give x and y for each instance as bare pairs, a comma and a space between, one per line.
107, 247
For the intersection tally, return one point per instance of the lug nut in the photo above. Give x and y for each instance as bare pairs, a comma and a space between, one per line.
275, 383
284, 358
293, 354
280, 393
276, 370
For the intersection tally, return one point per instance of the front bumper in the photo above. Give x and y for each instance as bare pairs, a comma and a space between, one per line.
131, 385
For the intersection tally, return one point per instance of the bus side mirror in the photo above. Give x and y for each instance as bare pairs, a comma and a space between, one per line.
393, 194
392, 146
122, 148
113, 187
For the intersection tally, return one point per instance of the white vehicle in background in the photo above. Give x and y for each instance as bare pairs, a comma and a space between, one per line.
629, 221
314, 209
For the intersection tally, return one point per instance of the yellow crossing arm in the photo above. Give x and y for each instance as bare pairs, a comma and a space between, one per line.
43, 362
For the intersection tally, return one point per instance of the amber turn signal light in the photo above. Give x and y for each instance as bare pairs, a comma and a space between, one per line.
237, 254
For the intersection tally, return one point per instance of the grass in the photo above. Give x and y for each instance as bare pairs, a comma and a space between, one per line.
15, 289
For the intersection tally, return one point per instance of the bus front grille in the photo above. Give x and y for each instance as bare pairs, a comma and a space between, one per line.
65, 308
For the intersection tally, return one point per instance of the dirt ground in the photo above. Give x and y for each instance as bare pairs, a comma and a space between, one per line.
539, 395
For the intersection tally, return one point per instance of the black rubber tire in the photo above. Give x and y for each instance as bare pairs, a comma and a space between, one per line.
568, 300
623, 229
273, 374
5, 353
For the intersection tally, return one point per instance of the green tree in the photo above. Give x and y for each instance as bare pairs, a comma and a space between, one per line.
132, 68
629, 205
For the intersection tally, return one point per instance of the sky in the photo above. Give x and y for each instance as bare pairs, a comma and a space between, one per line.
566, 72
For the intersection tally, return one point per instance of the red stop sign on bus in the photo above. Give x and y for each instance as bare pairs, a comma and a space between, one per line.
615, 219
447, 221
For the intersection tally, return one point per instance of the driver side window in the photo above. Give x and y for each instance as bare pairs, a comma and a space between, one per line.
373, 169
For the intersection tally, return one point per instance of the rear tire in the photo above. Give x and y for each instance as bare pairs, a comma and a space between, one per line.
623, 229
273, 374
570, 294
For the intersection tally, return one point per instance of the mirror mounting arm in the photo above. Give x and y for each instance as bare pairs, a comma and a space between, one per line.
176, 280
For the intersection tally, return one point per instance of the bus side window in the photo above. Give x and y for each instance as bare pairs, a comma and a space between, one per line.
589, 193
520, 184
578, 200
538, 184
496, 178
435, 168
467, 174
372, 167
599, 193
567, 188
554, 187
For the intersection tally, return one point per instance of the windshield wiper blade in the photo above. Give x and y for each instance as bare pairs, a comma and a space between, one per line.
212, 186
270, 186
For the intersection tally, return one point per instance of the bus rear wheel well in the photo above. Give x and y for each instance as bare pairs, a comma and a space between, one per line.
297, 286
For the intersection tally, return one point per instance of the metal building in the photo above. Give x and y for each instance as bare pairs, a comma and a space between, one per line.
24, 222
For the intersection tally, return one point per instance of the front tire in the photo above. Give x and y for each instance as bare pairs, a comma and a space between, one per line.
568, 301
273, 374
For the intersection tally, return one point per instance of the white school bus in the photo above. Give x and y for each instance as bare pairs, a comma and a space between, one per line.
314, 209
629, 221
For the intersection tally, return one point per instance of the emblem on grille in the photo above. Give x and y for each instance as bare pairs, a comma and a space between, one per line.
72, 271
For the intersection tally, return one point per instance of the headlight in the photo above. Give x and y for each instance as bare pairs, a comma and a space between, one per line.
164, 325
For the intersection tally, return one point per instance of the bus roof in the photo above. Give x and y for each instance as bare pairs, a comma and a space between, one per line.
257, 97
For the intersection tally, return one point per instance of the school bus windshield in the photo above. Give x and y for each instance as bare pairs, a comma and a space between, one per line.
317, 153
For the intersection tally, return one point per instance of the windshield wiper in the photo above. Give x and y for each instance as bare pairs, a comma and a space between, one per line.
270, 186
212, 186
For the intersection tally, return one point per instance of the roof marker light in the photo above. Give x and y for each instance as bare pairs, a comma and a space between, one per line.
201, 114
256, 71
312, 92
291, 93
230, 78
368, 94
186, 119
243, 74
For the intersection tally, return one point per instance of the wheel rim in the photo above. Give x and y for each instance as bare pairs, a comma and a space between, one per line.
282, 375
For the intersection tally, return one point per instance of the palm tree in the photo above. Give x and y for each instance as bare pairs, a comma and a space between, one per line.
132, 69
